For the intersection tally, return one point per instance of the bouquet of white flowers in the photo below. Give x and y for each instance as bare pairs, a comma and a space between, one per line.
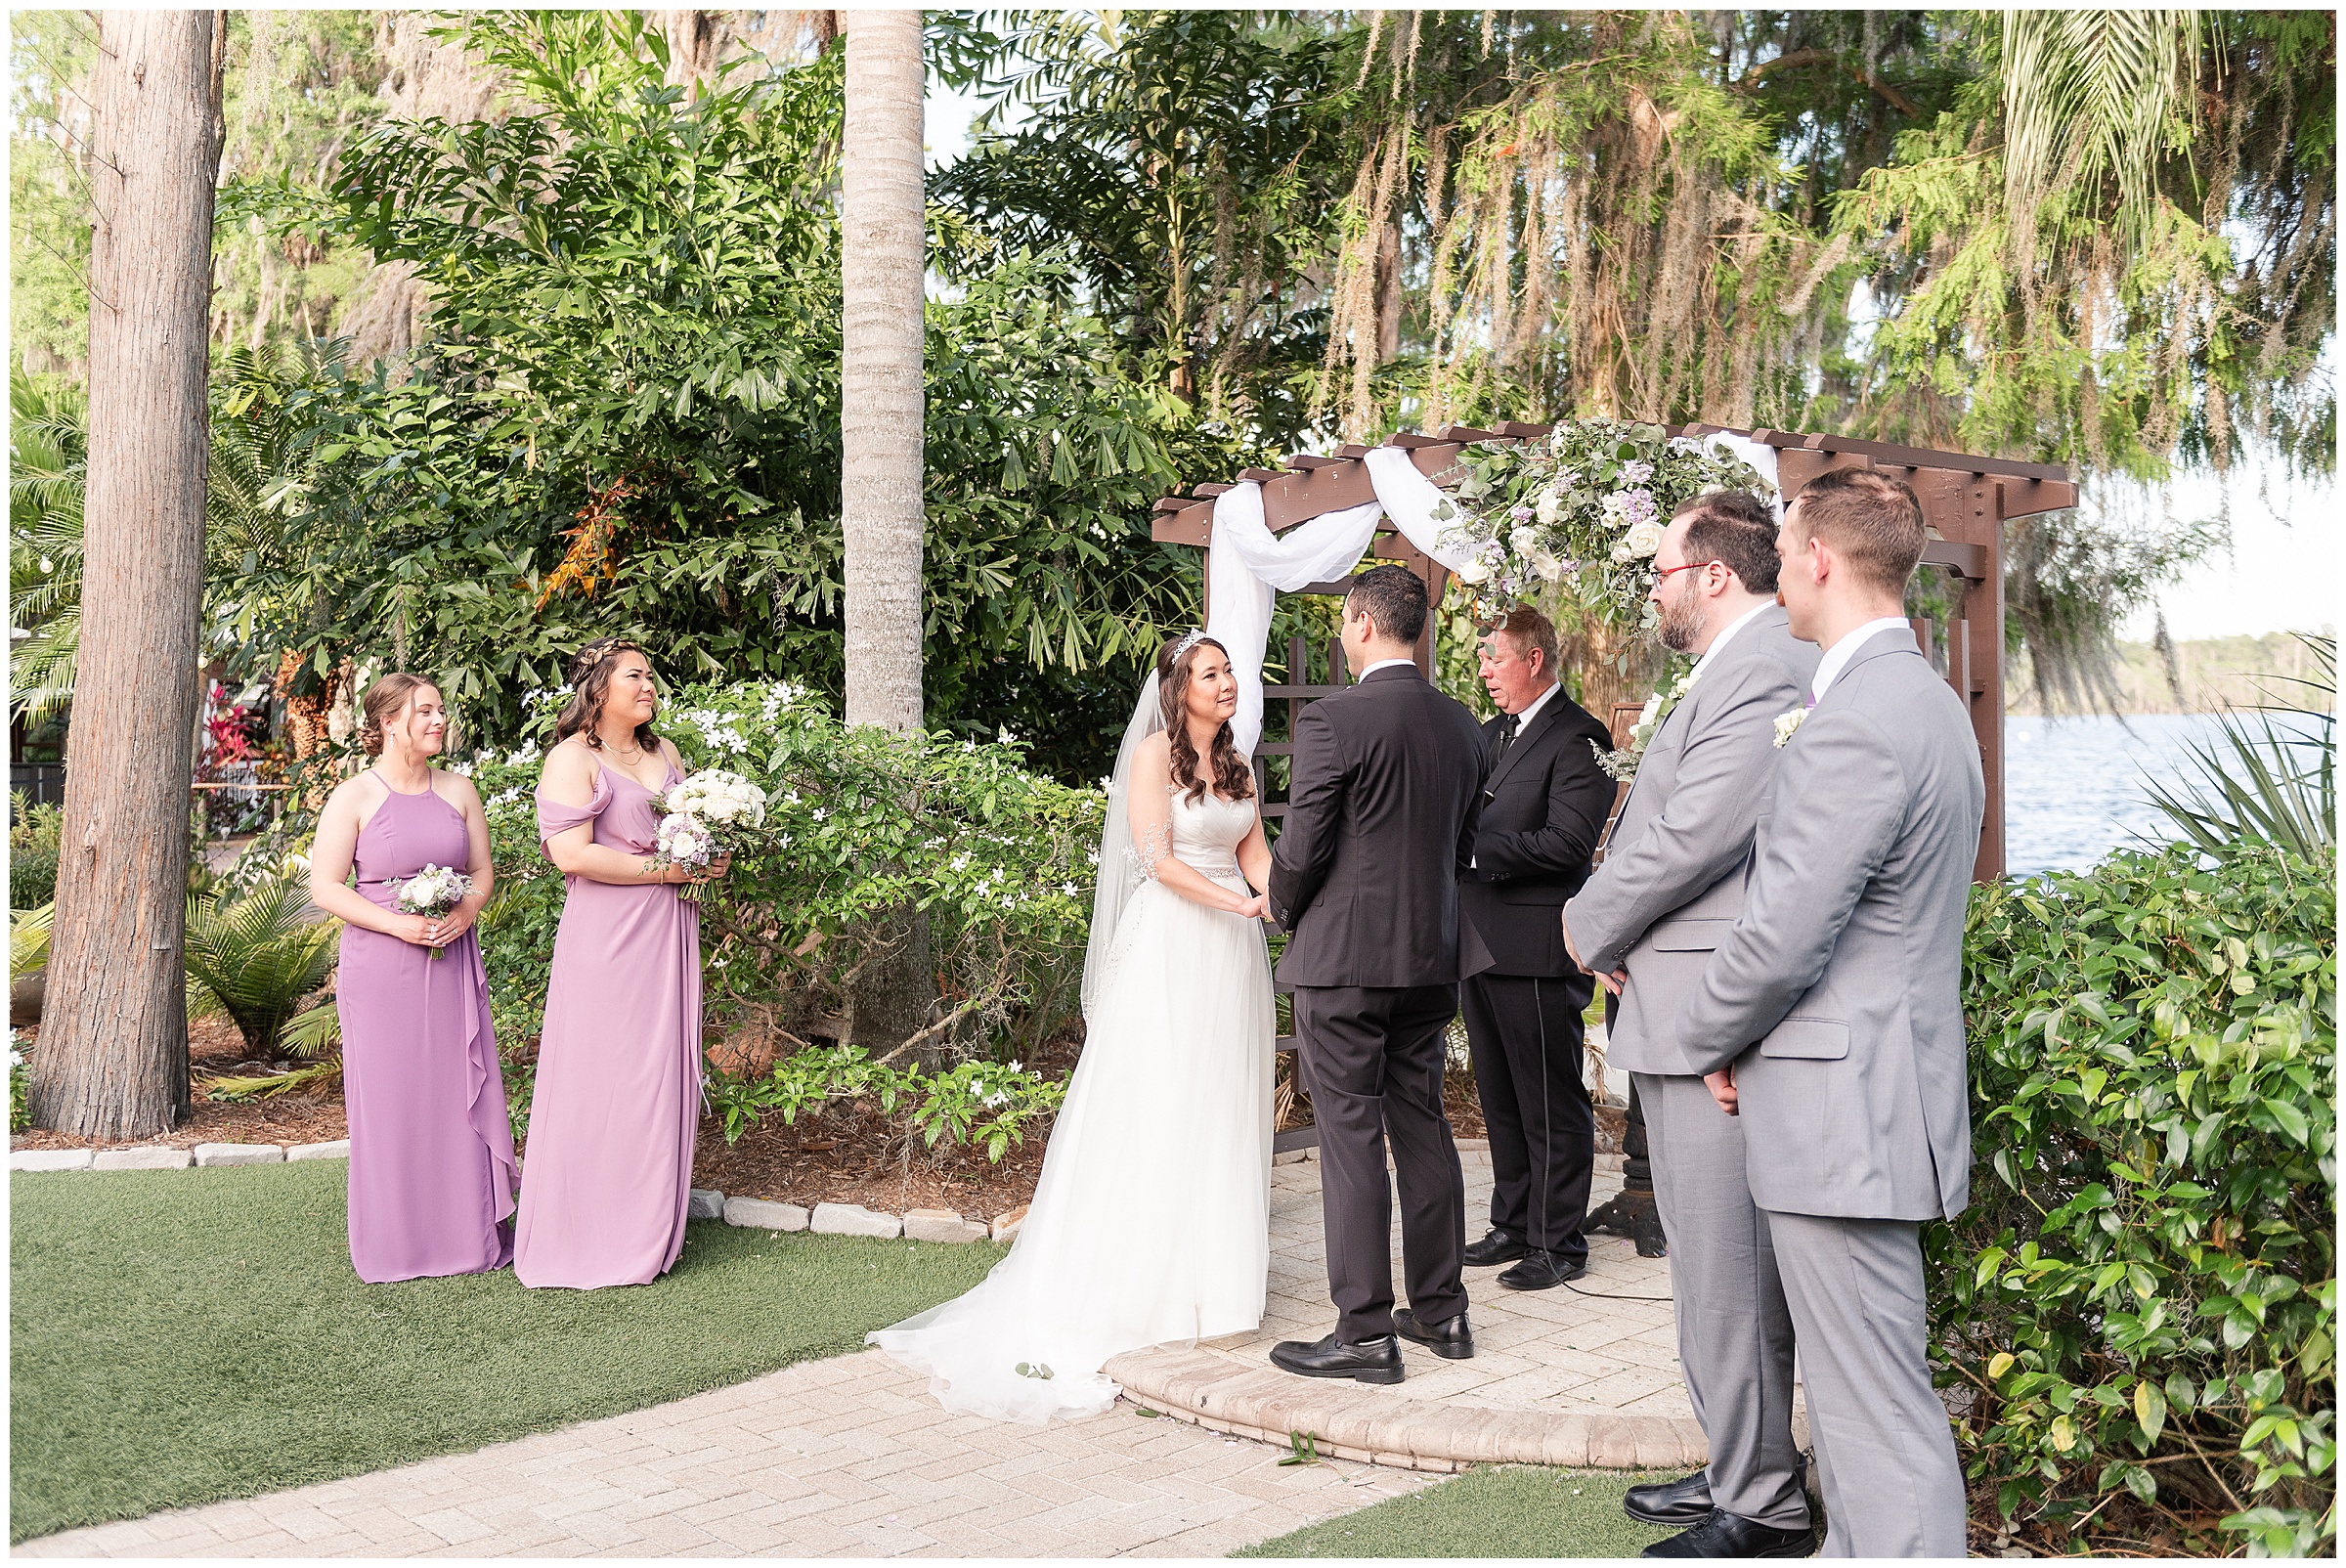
711, 813
432, 893
1584, 507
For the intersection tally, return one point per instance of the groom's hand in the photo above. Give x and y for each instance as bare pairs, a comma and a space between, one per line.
1722, 1085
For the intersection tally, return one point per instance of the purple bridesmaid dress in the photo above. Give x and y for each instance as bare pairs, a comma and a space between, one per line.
431, 1149
619, 1068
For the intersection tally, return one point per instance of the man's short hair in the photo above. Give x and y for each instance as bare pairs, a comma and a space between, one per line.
1872, 520
1394, 597
1527, 630
1736, 529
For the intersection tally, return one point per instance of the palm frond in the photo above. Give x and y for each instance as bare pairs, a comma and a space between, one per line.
29, 932
2272, 776
258, 956
2090, 95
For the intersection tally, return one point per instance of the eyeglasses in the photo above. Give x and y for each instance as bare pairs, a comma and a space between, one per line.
1660, 573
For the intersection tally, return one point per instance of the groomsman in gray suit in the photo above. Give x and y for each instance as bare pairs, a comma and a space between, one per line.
1669, 888
1846, 969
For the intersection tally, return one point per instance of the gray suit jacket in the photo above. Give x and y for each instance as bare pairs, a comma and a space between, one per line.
1672, 883
1847, 965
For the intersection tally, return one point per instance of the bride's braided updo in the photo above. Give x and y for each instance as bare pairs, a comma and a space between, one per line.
1233, 778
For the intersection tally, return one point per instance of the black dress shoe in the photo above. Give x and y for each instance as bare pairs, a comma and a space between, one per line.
1451, 1339
1729, 1535
1497, 1247
1678, 1503
1372, 1361
1541, 1269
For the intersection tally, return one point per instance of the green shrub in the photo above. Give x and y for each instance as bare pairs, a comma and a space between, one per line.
19, 1086
34, 833
983, 1103
2139, 1310
863, 823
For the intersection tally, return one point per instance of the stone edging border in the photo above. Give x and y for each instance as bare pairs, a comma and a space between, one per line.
1352, 1421
824, 1219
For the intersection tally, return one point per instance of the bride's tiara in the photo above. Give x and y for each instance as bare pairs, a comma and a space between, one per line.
1189, 639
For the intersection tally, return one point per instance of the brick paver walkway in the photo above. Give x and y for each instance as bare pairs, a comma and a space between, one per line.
848, 1458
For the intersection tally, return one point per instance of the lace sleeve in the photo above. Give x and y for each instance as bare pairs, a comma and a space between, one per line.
1152, 819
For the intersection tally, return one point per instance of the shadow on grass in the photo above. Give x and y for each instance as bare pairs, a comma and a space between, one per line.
180, 1337
1506, 1511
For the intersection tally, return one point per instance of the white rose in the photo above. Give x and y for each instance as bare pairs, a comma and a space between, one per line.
1548, 507
1524, 539
1548, 566
1642, 540
1474, 569
1620, 556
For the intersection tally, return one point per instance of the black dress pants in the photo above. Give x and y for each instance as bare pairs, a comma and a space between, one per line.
1372, 1058
1526, 1035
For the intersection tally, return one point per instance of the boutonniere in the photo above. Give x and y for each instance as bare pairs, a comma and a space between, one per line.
1787, 723
1621, 765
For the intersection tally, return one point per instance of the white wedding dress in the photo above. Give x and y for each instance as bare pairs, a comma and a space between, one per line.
1151, 1222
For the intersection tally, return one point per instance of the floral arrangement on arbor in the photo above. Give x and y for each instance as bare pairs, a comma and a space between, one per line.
1585, 507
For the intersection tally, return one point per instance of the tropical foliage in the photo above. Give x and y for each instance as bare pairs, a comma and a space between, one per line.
2138, 1313
258, 956
2274, 776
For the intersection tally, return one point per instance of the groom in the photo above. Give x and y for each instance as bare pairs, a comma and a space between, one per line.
1379, 828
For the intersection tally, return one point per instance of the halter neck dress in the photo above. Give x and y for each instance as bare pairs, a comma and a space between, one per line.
431, 1147
618, 1102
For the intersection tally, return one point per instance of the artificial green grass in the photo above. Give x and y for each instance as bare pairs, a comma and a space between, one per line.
1507, 1511
182, 1337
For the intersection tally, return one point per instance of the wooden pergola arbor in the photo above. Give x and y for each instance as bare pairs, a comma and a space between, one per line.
1965, 499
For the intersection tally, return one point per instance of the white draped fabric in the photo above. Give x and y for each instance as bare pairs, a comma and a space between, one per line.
1249, 566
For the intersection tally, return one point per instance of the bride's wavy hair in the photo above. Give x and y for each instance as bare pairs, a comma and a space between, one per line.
1233, 778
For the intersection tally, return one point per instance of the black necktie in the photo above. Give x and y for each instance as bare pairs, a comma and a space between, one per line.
1506, 737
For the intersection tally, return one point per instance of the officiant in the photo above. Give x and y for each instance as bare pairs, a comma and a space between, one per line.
1545, 805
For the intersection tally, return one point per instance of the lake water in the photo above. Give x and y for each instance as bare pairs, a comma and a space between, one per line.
2074, 788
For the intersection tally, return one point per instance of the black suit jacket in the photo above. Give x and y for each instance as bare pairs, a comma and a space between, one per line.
1380, 821
1544, 803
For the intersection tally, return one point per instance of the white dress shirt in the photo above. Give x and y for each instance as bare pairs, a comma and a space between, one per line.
1725, 637
1837, 658
1386, 664
1523, 723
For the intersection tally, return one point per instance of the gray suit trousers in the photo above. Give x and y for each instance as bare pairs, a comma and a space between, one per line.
1885, 1451
1734, 1332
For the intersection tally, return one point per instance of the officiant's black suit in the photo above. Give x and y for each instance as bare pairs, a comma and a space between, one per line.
1544, 803
1380, 822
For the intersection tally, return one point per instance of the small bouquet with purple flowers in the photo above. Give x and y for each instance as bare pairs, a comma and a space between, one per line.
432, 893
710, 814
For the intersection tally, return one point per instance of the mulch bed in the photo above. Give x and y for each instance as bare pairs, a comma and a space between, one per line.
215, 1049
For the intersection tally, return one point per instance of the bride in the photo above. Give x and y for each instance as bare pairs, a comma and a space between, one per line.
1151, 1221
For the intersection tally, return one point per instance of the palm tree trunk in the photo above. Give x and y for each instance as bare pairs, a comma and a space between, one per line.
113, 1061
881, 235
883, 255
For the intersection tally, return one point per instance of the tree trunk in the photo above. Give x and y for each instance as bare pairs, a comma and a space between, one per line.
112, 1062
883, 262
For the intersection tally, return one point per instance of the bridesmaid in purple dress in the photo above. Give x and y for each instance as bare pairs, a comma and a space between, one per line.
432, 1149
618, 1068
